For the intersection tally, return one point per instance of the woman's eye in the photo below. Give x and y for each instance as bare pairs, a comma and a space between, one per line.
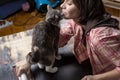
69, 3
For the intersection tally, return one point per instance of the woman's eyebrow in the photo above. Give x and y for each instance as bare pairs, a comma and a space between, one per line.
70, 1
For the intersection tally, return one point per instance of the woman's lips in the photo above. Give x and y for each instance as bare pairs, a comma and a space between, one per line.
62, 12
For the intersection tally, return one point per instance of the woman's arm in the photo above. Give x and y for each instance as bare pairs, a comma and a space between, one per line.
111, 75
22, 67
106, 42
66, 33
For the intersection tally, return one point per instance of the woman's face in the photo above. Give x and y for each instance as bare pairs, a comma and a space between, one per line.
69, 10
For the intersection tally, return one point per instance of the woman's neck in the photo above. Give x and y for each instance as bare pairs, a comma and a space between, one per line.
78, 23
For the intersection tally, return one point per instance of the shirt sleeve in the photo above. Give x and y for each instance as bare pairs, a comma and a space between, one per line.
118, 69
66, 32
108, 44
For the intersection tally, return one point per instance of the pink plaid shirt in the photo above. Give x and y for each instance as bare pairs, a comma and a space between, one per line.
103, 46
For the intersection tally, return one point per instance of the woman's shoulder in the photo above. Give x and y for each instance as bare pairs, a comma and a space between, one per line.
105, 30
101, 33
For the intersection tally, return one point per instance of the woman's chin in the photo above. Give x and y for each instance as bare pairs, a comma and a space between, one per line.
66, 17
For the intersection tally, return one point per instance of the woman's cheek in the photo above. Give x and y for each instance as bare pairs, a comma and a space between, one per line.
65, 15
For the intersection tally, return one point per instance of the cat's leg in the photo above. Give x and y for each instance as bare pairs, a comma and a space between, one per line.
57, 56
51, 69
41, 66
56, 41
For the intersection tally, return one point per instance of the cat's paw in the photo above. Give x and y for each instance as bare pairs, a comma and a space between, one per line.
58, 57
40, 66
51, 70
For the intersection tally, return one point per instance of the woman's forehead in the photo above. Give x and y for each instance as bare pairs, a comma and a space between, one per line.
67, 0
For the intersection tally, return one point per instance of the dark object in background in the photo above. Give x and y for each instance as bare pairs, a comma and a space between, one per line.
41, 5
32, 5
28, 6
9, 8
2, 2
43, 8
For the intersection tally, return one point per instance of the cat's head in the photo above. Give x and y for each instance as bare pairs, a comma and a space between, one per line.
53, 16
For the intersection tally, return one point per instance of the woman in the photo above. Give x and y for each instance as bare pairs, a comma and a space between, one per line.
96, 37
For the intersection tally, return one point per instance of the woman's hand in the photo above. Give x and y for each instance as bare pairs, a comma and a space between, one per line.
89, 77
110, 75
22, 67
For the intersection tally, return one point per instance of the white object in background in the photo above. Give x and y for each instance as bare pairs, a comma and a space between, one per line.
23, 77
5, 23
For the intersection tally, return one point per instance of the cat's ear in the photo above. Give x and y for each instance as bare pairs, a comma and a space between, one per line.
28, 57
49, 8
35, 48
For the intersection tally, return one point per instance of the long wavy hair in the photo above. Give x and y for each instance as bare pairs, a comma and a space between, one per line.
90, 10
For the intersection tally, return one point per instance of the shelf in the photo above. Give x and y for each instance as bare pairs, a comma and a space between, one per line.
112, 4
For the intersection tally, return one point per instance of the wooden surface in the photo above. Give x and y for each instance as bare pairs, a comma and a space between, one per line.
21, 21
112, 7
112, 4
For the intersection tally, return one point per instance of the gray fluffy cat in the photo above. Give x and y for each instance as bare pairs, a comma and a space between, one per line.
45, 41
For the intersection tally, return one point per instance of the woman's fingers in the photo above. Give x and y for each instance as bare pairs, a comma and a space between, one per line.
20, 70
88, 77
84, 78
22, 67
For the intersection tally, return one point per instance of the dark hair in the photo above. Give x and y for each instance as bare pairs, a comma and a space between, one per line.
90, 10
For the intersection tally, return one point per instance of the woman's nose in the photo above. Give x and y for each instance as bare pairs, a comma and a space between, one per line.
62, 6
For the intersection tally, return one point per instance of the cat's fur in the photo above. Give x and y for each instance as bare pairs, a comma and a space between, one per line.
45, 41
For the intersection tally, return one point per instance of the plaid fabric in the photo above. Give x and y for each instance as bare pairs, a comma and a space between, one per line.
104, 49
70, 29
103, 46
